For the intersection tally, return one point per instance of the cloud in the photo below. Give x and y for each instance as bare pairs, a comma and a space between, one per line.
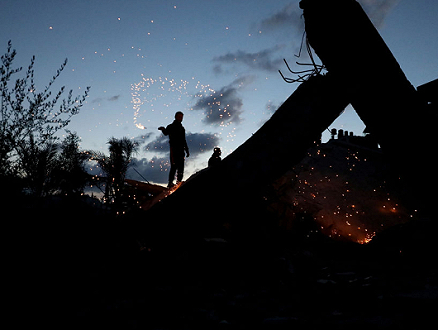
114, 98
141, 139
160, 145
378, 10
259, 61
224, 106
198, 143
288, 17
201, 142
271, 107
111, 99
154, 170
217, 69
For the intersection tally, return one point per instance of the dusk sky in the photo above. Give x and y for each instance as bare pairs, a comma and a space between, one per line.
145, 60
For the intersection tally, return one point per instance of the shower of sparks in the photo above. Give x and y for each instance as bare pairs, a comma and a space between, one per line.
152, 95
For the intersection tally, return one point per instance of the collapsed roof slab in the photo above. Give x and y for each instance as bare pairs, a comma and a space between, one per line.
355, 54
278, 145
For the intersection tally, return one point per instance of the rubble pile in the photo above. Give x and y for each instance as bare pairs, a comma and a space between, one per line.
347, 188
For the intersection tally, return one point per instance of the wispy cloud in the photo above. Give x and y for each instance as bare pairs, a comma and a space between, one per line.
114, 98
154, 170
288, 17
271, 107
159, 145
262, 60
110, 99
141, 139
201, 142
225, 105
378, 10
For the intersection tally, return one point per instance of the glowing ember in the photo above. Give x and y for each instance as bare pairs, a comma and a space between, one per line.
171, 190
348, 197
158, 198
140, 126
367, 239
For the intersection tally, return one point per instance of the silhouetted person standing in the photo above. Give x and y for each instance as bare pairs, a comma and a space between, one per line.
178, 145
215, 159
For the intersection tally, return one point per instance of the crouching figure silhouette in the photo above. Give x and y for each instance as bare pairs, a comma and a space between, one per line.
215, 159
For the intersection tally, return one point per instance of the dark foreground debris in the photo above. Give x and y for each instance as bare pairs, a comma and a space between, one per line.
96, 272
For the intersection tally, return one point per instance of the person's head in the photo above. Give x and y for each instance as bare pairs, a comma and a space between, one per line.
217, 151
179, 116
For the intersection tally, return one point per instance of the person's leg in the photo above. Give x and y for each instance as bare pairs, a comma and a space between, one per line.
173, 167
180, 174
172, 174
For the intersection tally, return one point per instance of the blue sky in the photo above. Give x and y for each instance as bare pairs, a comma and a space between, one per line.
145, 60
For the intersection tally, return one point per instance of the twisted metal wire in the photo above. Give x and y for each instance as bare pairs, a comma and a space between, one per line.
303, 75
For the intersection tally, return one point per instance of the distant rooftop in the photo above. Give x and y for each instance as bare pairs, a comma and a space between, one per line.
366, 141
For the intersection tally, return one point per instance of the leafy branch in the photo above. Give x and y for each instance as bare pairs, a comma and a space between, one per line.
26, 113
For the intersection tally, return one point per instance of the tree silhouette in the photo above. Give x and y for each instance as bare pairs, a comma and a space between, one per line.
37, 164
30, 117
115, 166
71, 174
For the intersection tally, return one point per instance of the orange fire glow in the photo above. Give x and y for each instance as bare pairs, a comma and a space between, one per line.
170, 191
